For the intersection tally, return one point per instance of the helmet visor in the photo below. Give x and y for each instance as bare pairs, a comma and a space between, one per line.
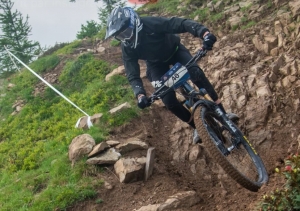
125, 35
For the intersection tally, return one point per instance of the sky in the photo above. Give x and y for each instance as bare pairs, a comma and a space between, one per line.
56, 21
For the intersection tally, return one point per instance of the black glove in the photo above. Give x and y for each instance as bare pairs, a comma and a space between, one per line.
208, 41
143, 102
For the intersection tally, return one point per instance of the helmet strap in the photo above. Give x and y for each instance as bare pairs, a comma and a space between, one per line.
138, 28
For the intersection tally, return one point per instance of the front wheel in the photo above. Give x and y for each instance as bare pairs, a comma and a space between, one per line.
233, 152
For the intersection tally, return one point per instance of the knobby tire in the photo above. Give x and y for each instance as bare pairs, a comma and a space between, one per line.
207, 134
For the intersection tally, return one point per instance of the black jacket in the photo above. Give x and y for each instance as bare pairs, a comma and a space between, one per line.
157, 43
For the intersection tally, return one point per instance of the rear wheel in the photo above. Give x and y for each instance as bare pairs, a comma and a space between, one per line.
242, 162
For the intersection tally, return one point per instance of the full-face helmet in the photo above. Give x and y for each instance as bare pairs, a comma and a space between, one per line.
124, 24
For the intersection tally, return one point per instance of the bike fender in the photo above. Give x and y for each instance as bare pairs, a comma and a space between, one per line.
198, 103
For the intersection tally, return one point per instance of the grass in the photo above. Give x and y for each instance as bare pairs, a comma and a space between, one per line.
161, 6
68, 49
115, 43
45, 64
35, 173
248, 25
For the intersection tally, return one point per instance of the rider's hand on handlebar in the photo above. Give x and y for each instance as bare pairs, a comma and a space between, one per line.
208, 41
143, 101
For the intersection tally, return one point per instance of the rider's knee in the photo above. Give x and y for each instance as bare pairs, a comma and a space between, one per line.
170, 100
196, 73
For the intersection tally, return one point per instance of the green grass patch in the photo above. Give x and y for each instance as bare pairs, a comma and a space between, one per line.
161, 6
68, 49
201, 13
217, 17
115, 42
35, 173
248, 25
246, 9
101, 34
45, 64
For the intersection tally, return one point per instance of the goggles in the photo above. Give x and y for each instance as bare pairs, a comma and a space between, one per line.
125, 35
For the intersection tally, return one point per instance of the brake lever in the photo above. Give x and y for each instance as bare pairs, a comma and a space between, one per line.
152, 98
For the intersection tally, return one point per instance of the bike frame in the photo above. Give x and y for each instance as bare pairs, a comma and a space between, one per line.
206, 101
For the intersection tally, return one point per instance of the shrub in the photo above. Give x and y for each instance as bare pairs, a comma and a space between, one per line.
287, 198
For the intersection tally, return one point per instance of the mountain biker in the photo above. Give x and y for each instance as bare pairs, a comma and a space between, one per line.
154, 40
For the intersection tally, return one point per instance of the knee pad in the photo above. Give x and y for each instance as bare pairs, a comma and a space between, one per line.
196, 73
170, 100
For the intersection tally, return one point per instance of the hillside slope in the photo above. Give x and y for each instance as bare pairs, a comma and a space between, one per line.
256, 71
254, 66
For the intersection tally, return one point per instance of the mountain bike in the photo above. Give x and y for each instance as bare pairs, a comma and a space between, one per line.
222, 138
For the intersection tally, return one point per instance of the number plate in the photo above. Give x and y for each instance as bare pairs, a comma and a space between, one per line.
176, 76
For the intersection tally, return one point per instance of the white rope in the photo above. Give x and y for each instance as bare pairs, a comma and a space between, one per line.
89, 123
12, 60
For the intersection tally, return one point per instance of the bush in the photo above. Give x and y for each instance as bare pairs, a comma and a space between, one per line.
287, 198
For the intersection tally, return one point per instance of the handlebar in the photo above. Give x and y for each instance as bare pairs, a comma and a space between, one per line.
199, 54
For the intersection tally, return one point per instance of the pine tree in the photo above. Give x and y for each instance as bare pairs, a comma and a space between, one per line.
14, 34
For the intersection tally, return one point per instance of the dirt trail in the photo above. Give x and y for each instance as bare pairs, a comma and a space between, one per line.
173, 174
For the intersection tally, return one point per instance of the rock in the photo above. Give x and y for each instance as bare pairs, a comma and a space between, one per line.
98, 149
295, 7
178, 201
100, 49
84, 123
108, 186
132, 144
95, 119
130, 169
108, 157
294, 68
112, 143
272, 41
150, 207
287, 81
274, 52
195, 152
231, 9
286, 70
297, 91
257, 43
10, 85
149, 162
234, 21
272, 77
277, 64
180, 139
241, 101
120, 108
118, 71
80, 146
263, 91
